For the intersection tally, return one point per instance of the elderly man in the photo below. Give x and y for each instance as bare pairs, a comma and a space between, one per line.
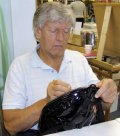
49, 71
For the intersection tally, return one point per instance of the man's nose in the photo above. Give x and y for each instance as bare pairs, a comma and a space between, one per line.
60, 35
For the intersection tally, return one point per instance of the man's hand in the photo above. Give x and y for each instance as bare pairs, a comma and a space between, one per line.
57, 88
107, 91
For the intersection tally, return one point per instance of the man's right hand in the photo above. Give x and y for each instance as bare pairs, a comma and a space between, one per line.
57, 88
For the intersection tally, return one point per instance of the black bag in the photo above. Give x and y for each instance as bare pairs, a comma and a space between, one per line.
74, 109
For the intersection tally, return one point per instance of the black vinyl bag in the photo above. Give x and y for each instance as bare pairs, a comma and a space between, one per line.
75, 109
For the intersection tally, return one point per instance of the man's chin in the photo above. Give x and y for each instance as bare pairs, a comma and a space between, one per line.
58, 55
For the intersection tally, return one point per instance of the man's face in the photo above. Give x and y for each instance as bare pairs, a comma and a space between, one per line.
53, 38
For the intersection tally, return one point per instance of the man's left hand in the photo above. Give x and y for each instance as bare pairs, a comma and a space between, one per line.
107, 91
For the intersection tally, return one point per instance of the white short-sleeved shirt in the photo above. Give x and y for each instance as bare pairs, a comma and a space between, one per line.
28, 78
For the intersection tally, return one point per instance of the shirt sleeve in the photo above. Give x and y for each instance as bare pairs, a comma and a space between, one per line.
14, 93
91, 77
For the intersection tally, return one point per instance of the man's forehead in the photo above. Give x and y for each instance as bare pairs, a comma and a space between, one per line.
60, 23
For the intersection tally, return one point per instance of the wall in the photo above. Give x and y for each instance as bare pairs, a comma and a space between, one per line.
6, 42
5, 6
22, 14
16, 35
18, 22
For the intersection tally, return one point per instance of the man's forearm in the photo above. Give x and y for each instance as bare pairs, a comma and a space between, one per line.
21, 120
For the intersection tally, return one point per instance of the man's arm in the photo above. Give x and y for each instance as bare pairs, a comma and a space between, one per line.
17, 120
22, 119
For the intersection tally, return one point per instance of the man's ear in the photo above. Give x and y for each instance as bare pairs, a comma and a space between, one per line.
38, 34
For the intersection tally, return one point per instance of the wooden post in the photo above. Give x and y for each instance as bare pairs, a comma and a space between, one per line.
104, 32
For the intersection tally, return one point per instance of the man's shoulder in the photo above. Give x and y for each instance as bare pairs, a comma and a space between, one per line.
74, 54
22, 60
23, 57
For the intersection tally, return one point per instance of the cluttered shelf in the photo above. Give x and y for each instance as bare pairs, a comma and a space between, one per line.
103, 68
75, 44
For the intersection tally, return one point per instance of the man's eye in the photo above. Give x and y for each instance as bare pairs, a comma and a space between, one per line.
52, 31
66, 30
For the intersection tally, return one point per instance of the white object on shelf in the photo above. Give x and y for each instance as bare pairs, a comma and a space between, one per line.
77, 28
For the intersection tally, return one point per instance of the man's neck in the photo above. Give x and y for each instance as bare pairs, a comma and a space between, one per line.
52, 61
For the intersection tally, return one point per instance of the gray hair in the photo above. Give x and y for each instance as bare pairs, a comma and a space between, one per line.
53, 11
